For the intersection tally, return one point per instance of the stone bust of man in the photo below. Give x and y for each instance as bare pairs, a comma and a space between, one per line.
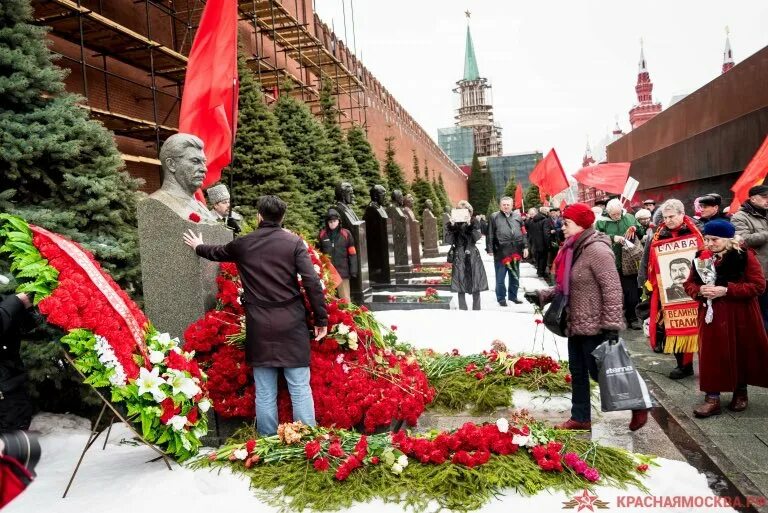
397, 198
428, 205
378, 196
183, 163
345, 197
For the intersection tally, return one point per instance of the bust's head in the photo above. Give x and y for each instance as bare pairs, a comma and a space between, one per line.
378, 194
429, 205
447, 209
345, 193
409, 201
397, 198
183, 162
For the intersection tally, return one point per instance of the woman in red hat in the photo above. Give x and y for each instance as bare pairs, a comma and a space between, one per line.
585, 273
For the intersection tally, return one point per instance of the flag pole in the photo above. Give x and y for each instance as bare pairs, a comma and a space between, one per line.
232, 146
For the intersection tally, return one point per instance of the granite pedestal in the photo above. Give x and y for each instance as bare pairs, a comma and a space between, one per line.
414, 228
445, 220
360, 286
430, 234
401, 238
378, 236
179, 286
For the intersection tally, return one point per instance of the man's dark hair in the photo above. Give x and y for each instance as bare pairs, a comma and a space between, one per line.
677, 261
272, 208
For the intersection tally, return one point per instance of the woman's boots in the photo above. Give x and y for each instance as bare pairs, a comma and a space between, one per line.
739, 400
710, 407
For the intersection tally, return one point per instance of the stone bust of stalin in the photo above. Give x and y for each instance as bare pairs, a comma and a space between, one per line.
183, 163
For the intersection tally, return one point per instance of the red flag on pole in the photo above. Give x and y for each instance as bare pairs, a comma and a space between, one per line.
753, 174
549, 176
563, 204
519, 197
209, 102
610, 177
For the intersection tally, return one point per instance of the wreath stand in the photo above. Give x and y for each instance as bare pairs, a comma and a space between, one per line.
96, 432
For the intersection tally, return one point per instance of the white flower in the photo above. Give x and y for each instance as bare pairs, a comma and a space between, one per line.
521, 440
396, 469
240, 454
342, 329
178, 422
164, 339
107, 357
345, 368
352, 337
402, 460
204, 405
340, 358
150, 382
156, 356
503, 425
182, 384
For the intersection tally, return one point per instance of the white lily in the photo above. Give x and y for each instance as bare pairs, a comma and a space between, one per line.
521, 440
182, 384
240, 454
342, 329
502, 425
396, 469
178, 422
352, 337
204, 405
402, 460
164, 339
151, 382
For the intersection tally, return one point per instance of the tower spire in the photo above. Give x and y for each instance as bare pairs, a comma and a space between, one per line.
727, 53
470, 62
645, 109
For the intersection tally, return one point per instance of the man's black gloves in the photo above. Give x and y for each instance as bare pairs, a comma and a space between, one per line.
611, 336
532, 297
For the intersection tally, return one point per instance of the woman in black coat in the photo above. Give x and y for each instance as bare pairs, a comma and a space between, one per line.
468, 275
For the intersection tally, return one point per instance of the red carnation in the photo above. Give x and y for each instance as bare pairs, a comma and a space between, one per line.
169, 410
250, 445
321, 464
194, 217
705, 254
375, 460
642, 468
335, 450
568, 378
312, 449
192, 415
393, 327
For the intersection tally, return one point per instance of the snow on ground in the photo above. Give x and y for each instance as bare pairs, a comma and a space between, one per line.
119, 479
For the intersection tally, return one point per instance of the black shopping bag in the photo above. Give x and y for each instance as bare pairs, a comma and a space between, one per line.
621, 387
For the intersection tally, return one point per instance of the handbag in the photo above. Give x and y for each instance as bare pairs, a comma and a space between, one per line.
451, 254
556, 316
621, 386
630, 258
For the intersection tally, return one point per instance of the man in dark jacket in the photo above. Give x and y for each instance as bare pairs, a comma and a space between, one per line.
268, 261
505, 238
339, 245
15, 405
711, 208
539, 239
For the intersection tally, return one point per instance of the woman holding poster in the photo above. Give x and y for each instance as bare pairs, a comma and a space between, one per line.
670, 254
733, 347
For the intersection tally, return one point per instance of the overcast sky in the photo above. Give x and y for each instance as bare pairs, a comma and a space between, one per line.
562, 71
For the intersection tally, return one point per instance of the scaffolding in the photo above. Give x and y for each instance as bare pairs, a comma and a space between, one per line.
129, 58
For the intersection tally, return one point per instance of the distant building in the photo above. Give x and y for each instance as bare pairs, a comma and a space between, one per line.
645, 109
518, 165
458, 143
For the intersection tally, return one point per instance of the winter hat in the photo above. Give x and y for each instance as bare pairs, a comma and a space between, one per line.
332, 214
711, 200
580, 213
720, 228
643, 213
761, 190
218, 193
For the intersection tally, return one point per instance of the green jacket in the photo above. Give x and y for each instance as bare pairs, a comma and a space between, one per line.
620, 227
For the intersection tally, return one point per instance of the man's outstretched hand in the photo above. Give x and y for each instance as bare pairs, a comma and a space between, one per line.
320, 332
192, 239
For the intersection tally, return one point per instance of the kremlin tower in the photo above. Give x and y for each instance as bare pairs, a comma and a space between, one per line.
645, 109
727, 54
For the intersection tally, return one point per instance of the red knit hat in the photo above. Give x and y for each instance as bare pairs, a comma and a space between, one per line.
581, 214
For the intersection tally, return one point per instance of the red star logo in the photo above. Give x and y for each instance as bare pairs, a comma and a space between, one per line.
585, 500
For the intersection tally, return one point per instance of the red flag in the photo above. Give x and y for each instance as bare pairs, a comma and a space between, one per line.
753, 174
610, 177
519, 197
549, 175
563, 204
209, 102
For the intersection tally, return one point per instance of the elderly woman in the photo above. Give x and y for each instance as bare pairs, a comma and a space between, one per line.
733, 347
586, 276
468, 276
674, 224
621, 226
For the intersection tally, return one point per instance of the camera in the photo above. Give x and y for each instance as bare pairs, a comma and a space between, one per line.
22, 446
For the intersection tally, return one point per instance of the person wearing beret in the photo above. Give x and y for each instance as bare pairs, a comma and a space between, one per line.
711, 208
733, 349
751, 223
586, 275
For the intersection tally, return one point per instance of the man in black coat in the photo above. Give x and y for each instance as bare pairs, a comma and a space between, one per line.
339, 245
506, 238
15, 405
268, 261
538, 235
711, 208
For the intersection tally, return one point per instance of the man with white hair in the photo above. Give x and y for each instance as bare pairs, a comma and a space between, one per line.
505, 238
621, 227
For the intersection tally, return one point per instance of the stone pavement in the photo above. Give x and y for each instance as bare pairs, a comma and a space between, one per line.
735, 443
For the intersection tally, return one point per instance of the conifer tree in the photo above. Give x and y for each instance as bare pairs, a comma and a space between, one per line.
262, 163
481, 188
392, 170
62, 171
443, 193
438, 201
493, 206
432, 193
532, 197
308, 146
340, 153
511, 187
363, 154
420, 188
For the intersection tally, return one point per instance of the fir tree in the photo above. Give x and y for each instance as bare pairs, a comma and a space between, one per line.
363, 154
438, 201
392, 171
340, 153
262, 163
308, 146
481, 188
62, 171
420, 189
432, 193
511, 188
493, 206
443, 193
532, 198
